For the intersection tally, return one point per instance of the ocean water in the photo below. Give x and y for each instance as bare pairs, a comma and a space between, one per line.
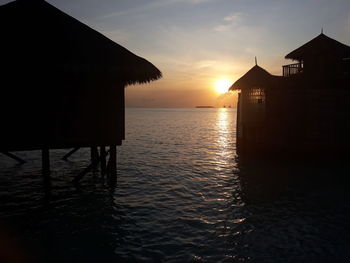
182, 195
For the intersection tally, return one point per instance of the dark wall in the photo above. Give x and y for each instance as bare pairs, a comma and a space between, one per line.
58, 108
56, 86
303, 116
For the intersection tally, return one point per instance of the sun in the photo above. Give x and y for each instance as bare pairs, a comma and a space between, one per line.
222, 85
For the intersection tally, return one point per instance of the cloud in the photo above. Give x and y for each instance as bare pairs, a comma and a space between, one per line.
169, 2
155, 4
234, 17
229, 22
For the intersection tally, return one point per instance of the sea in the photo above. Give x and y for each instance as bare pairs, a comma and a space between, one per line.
182, 194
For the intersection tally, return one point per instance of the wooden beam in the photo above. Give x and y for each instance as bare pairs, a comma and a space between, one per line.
80, 176
86, 170
70, 153
12, 156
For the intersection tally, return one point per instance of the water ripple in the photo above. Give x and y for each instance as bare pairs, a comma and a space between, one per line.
182, 196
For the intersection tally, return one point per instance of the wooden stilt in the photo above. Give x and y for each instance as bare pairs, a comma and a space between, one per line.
12, 156
70, 153
87, 169
103, 155
45, 155
112, 165
94, 157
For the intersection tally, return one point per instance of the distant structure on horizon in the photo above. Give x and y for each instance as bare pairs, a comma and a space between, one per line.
62, 83
204, 107
304, 112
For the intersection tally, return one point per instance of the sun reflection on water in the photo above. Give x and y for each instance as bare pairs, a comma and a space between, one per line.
223, 136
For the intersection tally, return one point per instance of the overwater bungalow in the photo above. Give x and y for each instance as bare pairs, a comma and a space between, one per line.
62, 83
303, 112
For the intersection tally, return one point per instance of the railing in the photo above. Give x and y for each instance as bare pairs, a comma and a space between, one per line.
292, 69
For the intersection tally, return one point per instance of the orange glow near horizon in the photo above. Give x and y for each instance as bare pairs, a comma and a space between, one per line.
188, 93
222, 85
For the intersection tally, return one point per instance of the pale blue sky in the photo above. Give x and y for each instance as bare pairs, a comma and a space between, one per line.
195, 42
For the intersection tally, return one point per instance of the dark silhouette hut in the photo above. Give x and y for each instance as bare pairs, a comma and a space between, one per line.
303, 112
62, 83
321, 56
251, 108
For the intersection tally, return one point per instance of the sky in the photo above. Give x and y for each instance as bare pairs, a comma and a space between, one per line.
195, 43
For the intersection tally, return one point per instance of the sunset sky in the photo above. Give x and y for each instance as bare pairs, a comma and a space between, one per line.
195, 43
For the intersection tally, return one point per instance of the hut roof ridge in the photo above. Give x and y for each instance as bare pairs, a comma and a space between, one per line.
256, 76
319, 45
69, 41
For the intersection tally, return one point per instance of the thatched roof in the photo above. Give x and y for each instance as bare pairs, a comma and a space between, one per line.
35, 32
321, 44
255, 77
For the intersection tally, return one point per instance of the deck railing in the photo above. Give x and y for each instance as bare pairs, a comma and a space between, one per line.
292, 69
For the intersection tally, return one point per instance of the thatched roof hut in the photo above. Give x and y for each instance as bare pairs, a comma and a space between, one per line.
35, 29
302, 113
320, 45
255, 77
62, 83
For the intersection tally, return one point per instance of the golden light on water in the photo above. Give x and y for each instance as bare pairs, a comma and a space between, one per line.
222, 85
223, 127
223, 135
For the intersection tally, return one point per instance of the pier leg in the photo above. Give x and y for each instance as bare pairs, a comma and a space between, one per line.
94, 157
103, 155
45, 156
94, 154
112, 165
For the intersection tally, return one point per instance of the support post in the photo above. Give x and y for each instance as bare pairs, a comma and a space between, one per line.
103, 155
112, 165
45, 156
94, 157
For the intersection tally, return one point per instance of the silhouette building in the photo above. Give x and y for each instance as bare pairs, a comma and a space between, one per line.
62, 83
303, 112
